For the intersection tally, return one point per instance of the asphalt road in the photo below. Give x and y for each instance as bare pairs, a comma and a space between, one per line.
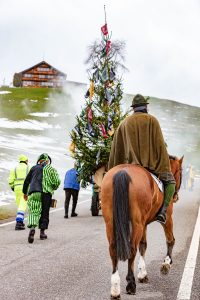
74, 263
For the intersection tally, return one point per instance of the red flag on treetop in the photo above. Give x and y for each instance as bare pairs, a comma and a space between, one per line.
104, 29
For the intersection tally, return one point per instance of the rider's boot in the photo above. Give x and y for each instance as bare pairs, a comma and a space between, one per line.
161, 217
169, 190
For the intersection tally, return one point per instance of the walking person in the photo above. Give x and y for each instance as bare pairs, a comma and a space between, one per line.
191, 178
39, 185
187, 175
16, 181
184, 181
71, 187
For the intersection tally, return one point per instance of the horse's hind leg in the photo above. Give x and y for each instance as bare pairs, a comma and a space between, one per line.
170, 240
115, 279
142, 273
131, 286
137, 235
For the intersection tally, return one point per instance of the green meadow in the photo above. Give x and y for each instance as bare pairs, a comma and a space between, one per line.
26, 93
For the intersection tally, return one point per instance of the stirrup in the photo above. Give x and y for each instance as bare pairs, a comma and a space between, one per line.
161, 219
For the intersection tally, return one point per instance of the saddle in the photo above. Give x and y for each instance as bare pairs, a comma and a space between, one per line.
158, 182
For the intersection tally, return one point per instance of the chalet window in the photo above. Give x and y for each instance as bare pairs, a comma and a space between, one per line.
27, 83
41, 76
43, 69
46, 83
28, 75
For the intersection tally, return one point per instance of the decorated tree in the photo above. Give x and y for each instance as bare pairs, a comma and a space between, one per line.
101, 113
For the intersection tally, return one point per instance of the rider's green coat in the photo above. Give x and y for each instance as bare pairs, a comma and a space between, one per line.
139, 140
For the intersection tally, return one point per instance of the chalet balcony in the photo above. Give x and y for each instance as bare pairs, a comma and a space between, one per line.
37, 79
35, 72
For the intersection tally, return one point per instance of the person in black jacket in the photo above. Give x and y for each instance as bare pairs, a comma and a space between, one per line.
32, 190
38, 187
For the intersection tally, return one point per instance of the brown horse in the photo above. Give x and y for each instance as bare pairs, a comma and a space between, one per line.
130, 200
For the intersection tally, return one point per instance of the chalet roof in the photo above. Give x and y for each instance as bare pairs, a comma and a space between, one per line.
40, 63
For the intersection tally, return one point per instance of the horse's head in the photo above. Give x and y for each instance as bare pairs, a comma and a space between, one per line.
176, 167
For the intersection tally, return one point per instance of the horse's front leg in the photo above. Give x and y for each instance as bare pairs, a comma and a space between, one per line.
170, 240
115, 279
142, 272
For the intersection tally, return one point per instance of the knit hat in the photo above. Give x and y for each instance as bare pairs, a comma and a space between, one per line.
44, 157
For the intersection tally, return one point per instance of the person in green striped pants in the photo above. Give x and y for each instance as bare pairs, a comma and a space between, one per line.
39, 185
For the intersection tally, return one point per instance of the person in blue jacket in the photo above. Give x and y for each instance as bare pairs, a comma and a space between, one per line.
71, 187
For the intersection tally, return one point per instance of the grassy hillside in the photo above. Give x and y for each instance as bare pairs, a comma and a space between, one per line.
19, 102
26, 93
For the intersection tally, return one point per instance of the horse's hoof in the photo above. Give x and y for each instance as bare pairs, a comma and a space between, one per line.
115, 297
144, 280
131, 289
129, 292
165, 269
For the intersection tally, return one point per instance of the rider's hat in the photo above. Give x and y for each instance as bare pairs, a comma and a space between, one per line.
139, 100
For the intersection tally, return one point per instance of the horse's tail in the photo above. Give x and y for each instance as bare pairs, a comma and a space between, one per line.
121, 218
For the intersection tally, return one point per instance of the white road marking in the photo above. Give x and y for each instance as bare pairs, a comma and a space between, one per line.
185, 288
52, 211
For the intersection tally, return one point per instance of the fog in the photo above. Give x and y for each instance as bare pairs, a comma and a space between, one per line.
180, 123
37, 126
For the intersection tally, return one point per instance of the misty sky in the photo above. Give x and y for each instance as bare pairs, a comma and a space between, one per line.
162, 41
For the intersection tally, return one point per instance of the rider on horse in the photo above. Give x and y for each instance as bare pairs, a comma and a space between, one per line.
139, 140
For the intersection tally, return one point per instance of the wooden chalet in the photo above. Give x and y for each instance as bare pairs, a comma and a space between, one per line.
42, 75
